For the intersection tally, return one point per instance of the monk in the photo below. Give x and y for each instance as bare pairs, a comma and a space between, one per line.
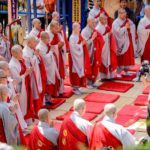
21, 73
107, 129
62, 34
13, 96
75, 131
97, 10
8, 123
36, 30
5, 48
79, 60
51, 65
34, 61
43, 136
59, 52
109, 58
144, 35
95, 43
124, 32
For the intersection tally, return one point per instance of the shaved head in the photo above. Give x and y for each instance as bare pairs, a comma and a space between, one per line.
16, 48
34, 21
43, 115
147, 11
2, 58
110, 109
4, 65
79, 104
55, 14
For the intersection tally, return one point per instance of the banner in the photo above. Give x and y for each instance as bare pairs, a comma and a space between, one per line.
12, 10
76, 11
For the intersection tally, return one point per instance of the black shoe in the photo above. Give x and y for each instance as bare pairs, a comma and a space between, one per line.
48, 103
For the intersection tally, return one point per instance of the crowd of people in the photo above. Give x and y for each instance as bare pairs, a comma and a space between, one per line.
32, 75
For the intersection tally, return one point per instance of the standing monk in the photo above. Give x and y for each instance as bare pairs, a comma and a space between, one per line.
109, 59
79, 59
20, 72
75, 131
36, 30
144, 35
124, 32
32, 59
9, 132
59, 52
95, 43
97, 10
51, 66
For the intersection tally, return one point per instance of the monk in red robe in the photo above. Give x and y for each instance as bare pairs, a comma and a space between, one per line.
43, 135
97, 11
125, 38
59, 52
144, 36
79, 60
9, 132
109, 58
50, 62
21, 73
109, 134
75, 131
95, 43
36, 30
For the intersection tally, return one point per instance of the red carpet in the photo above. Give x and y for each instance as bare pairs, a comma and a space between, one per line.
141, 100
132, 110
115, 86
92, 107
67, 92
126, 78
87, 116
126, 120
57, 102
67, 81
146, 90
101, 97
135, 68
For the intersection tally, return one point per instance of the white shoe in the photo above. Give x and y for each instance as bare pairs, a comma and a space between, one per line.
119, 76
90, 87
128, 74
77, 91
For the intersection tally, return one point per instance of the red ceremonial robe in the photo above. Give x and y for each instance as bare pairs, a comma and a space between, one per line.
55, 41
113, 57
2, 132
98, 45
30, 104
70, 137
44, 80
101, 137
39, 34
74, 78
39, 142
146, 53
109, 19
123, 60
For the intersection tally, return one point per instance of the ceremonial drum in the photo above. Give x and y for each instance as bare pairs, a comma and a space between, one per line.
21, 35
17, 34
